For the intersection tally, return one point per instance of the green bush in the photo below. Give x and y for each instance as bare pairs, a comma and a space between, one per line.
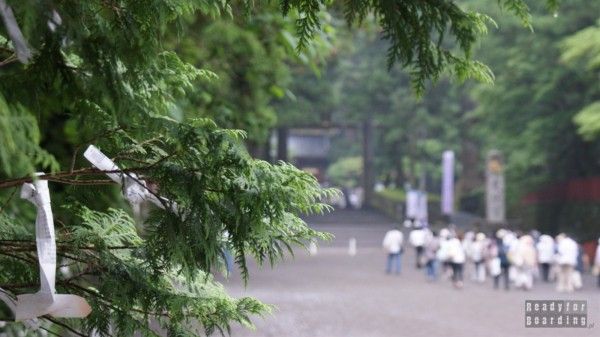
346, 172
398, 195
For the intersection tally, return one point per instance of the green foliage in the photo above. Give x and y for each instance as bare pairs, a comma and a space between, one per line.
105, 77
588, 121
246, 69
308, 21
218, 189
583, 46
106, 74
521, 10
346, 172
107, 263
529, 112
583, 50
541, 112
427, 38
19, 135
253, 60
410, 133
396, 195
420, 34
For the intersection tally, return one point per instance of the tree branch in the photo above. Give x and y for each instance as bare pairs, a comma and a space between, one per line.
61, 324
65, 174
60, 176
11, 59
30, 260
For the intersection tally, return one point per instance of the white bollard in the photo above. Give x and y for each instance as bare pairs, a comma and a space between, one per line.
352, 247
312, 248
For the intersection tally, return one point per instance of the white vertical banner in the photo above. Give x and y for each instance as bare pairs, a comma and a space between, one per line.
422, 214
447, 202
495, 188
412, 204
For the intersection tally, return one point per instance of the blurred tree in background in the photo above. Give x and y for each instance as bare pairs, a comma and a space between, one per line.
582, 51
346, 172
542, 111
541, 94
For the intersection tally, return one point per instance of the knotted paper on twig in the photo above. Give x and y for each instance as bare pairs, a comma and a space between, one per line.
46, 301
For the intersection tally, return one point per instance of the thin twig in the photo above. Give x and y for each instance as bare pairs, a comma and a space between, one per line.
75, 173
108, 303
74, 158
11, 59
20, 285
31, 260
71, 257
83, 182
66, 174
16, 240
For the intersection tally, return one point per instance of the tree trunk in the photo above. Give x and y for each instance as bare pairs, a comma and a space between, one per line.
267, 146
367, 161
282, 143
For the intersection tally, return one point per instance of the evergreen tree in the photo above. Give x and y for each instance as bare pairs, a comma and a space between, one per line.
99, 72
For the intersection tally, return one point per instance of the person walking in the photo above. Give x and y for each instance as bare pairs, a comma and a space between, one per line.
511, 242
577, 276
392, 243
442, 255
492, 259
566, 257
417, 240
525, 261
432, 245
467, 244
457, 257
502, 255
545, 250
477, 255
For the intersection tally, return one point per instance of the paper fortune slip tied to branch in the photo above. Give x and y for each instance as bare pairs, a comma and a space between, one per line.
46, 301
135, 189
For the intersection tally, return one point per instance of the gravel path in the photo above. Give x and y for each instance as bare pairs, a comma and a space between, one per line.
333, 294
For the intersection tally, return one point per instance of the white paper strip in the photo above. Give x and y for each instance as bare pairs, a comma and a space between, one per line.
14, 32
422, 213
54, 21
134, 189
46, 301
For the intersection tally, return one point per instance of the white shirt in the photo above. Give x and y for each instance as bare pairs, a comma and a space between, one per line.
598, 256
567, 252
443, 253
455, 251
545, 250
476, 251
417, 237
392, 242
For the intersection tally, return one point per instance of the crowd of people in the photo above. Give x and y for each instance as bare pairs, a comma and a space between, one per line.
510, 258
